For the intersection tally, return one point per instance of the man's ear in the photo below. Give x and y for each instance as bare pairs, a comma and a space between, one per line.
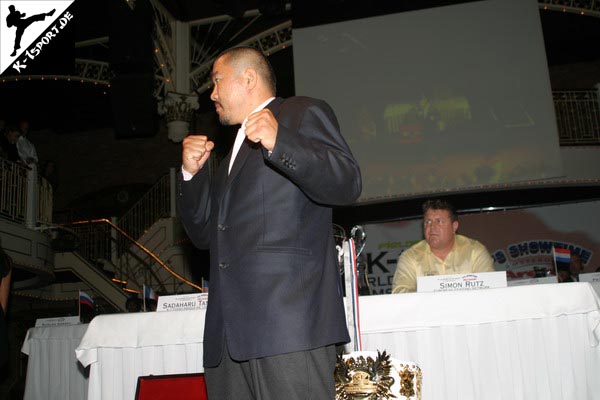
455, 226
251, 78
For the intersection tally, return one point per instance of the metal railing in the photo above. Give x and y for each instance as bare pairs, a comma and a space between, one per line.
577, 117
103, 242
153, 205
13, 191
584, 7
25, 196
97, 239
111, 245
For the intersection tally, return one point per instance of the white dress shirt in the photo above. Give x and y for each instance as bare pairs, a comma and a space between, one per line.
239, 139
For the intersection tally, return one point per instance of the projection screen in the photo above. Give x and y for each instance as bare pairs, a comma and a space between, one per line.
439, 100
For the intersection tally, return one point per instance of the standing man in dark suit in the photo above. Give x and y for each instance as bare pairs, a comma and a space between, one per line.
275, 309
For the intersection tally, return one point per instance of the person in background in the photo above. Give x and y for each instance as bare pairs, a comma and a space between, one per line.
133, 304
27, 151
8, 143
151, 304
49, 172
564, 275
442, 252
275, 310
575, 267
6, 266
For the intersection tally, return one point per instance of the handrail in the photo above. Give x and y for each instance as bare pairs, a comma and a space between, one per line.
82, 242
154, 204
13, 191
141, 247
582, 7
25, 195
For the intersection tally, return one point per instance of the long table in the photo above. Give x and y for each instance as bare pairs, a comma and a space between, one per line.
525, 342
53, 372
120, 347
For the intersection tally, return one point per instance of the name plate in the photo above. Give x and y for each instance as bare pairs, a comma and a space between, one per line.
447, 283
59, 321
533, 281
179, 302
591, 277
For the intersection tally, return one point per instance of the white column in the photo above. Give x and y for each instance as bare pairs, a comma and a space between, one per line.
182, 57
32, 197
178, 106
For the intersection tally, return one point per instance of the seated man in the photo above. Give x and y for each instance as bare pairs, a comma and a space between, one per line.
443, 252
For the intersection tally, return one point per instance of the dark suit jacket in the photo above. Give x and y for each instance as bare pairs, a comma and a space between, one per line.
274, 282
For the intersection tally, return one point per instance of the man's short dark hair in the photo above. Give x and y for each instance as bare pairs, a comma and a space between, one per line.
134, 303
11, 127
254, 58
438, 204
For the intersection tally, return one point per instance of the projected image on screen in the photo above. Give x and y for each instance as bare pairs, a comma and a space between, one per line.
444, 99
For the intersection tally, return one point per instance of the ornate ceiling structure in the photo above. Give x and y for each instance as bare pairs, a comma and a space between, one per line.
188, 34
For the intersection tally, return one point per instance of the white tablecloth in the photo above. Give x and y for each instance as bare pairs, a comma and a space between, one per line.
120, 347
525, 342
596, 286
53, 372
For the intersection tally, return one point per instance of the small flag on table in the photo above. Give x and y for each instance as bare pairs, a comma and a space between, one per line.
562, 259
562, 255
85, 299
149, 294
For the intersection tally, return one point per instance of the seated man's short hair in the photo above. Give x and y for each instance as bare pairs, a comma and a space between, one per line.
438, 204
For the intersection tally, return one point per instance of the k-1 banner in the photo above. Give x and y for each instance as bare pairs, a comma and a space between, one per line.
520, 241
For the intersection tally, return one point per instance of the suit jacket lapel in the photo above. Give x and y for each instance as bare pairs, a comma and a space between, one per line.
247, 147
275, 105
239, 161
220, 177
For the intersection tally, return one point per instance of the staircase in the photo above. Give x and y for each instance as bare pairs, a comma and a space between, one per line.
91, 276
113, 258
117, 256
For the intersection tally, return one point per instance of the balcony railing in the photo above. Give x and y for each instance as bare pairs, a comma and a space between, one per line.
25, 196
578, 117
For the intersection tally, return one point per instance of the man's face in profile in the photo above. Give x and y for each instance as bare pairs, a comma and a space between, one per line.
228, 93
439, 229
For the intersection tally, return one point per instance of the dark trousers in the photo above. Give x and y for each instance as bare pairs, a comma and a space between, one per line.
305, 375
